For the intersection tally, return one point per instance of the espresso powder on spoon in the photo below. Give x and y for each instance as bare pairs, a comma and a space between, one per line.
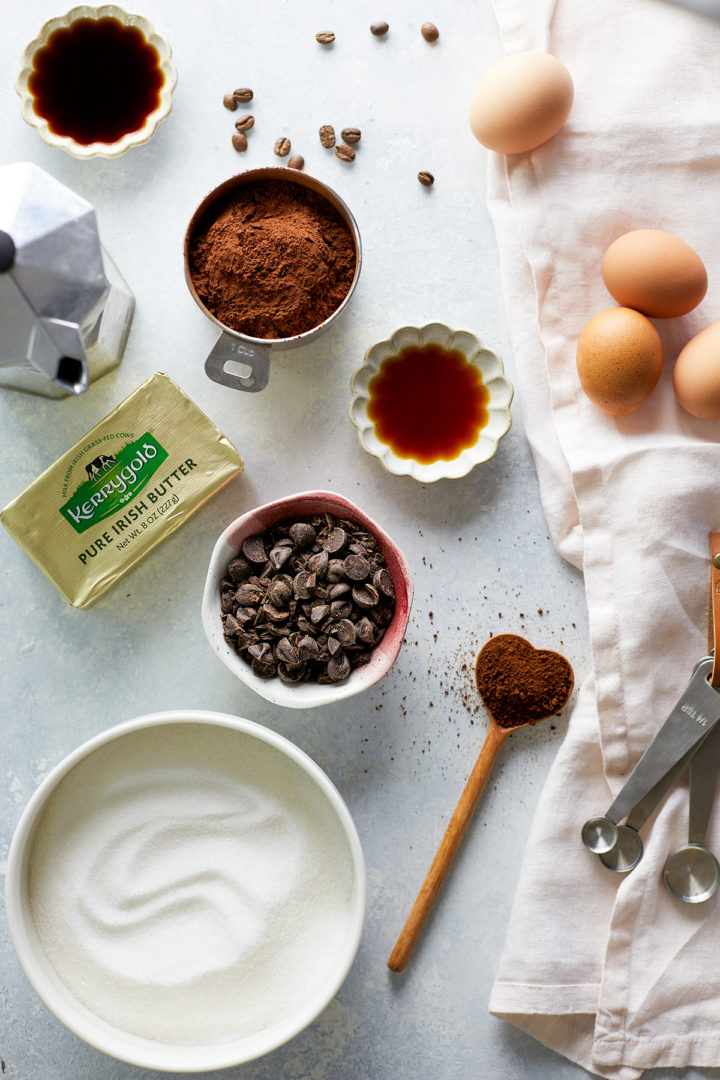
272, 259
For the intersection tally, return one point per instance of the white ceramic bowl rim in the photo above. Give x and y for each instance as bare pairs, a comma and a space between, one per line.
132, 138
134, 1049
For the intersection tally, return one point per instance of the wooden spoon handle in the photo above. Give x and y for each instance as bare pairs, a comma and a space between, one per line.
449, 845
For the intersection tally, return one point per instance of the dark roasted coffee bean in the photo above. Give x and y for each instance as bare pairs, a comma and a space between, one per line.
430, 32
351, 135
240, 142
244, 94
230, 103
297, 161
282, 147
326, 37
378, 29
253, 549
345, 153
327, 136
245, 122
426, 178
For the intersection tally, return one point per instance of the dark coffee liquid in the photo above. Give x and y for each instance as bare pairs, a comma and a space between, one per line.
96, 80
428, 403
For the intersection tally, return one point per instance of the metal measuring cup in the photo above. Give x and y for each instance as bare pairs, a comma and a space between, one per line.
233, 347
692, 872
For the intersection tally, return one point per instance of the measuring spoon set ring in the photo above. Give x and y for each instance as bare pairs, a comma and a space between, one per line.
690, 736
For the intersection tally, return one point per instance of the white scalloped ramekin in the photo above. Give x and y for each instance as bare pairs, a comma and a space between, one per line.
132, 138
489, 365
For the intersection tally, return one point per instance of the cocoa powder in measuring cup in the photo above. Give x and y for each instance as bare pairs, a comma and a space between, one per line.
272, 259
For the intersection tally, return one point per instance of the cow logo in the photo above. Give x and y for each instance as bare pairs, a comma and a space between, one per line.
112, 482
99, 466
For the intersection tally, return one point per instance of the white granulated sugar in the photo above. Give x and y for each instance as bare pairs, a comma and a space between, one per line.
190, 884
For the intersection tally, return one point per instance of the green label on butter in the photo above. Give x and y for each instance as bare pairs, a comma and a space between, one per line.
113, 481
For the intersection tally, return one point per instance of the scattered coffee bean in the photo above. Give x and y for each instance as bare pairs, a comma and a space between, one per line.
430, 31
245, 122
351, 135
379, 28
426, 178
243, 95
325, 38
345, 153
230, 103
282, 147
327, 136
297, 161
306, 616
239, 141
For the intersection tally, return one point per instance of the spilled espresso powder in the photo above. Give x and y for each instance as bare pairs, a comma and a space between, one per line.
272, 259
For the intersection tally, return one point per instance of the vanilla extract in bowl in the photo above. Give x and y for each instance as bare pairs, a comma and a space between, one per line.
428, 403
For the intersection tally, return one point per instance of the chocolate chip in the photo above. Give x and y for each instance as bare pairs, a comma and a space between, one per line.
253, 549
302, 534
383, 582
356, 567
338, 667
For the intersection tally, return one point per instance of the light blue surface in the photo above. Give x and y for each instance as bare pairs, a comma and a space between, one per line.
479, 547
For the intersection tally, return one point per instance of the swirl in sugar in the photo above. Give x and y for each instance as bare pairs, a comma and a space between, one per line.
185, 869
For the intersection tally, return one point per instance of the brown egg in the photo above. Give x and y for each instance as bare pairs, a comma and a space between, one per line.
521, 102
619, 359
655, 273
696, 377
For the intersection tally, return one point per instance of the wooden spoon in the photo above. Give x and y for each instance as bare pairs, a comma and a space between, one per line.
520, 685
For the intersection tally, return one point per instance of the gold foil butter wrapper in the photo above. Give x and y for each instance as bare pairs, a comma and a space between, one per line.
134, 479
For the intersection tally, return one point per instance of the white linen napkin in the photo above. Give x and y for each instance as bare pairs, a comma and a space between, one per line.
611, 970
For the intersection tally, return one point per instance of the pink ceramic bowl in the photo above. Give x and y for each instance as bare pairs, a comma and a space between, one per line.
306, 695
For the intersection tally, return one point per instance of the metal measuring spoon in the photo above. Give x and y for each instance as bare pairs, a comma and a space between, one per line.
628, 848
691, 718
692, 872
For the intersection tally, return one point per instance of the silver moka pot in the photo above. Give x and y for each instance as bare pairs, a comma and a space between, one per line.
65, 310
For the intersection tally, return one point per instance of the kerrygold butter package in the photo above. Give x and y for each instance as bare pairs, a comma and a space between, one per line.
121, 490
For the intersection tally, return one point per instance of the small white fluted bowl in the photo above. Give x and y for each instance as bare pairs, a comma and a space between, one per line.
130, 741
489, 365
132, 138
306, 695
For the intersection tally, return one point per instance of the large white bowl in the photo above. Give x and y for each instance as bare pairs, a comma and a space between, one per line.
306, 695
488, 364
103, 1035
132, 138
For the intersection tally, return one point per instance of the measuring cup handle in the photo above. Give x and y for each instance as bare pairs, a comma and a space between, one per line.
257, 360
